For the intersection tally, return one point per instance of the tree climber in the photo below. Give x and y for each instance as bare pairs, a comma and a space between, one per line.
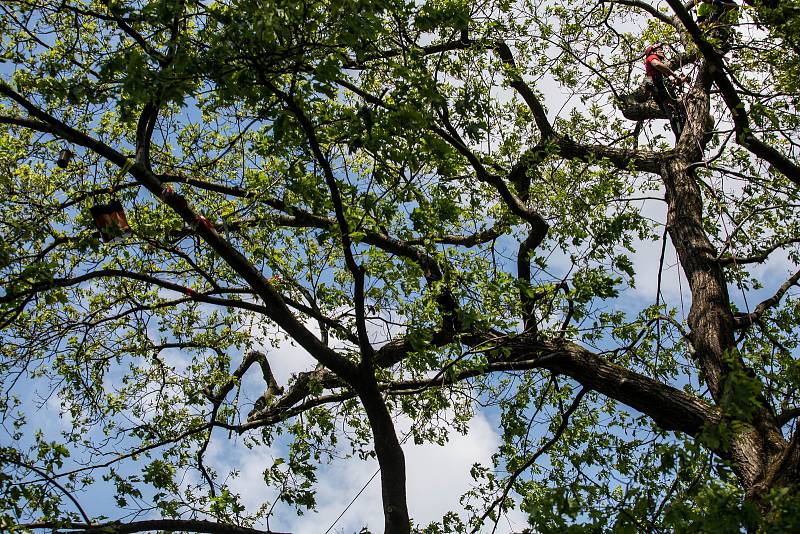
660, 78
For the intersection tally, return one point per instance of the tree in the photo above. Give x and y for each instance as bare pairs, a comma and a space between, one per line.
441, 203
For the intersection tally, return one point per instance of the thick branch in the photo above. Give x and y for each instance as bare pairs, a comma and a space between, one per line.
526, 249
144, 132
534, 104
622, 158
671, 408
739, 113
26, 123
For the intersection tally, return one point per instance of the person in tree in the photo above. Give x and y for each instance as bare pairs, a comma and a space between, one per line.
660, 79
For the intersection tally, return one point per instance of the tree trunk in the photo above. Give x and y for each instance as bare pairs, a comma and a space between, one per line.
390, 455
759, 447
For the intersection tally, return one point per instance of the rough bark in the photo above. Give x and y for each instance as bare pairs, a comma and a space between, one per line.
670, 408
759, 445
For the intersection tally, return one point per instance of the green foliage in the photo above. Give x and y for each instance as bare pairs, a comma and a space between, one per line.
393, 136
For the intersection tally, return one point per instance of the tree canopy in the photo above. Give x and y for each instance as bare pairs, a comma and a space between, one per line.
448, 205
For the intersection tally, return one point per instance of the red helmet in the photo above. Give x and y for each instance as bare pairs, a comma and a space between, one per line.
655, 46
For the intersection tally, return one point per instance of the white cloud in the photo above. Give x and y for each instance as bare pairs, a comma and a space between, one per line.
227, 455
437, 476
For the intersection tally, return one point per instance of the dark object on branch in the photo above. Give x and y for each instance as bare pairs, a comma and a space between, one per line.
652, 101
64, 157
639, 105
110, 219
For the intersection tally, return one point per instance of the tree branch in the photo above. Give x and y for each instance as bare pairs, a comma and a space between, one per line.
739, 113
748, 319
759, 257
669, 407
120, 273
52, 480
532, 460
650, 9
787, 415
133, 34
553, 142
26, 123
144, 132
357, 271
513, 202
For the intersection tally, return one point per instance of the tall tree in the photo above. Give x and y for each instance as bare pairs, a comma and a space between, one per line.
443, 204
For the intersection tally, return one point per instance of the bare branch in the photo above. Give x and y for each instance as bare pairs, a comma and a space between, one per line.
26, 123
532, 460
748, 319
